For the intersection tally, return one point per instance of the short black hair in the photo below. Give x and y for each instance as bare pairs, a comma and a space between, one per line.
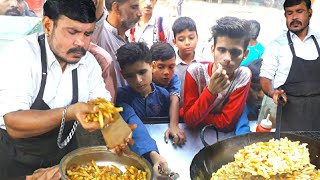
255, 66
108, 3
183, 23
254, 29
162, 51
289, 3
79, 10
232, 27
133, 52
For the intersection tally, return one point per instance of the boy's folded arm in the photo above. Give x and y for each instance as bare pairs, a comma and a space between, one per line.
231, 112
196, 107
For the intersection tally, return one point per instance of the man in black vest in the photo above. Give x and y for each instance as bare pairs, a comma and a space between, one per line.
291, 69
46, 80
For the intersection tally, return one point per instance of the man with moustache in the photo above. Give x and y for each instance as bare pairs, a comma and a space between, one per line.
291, 69
151, 28
110, 32
46, 82
15, 8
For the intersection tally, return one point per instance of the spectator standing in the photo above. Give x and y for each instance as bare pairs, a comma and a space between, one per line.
141, 98
163, 65
151, 28
185, 39
256, 49
217, 91
121, 15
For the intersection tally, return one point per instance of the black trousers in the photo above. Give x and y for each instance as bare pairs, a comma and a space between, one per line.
15, 163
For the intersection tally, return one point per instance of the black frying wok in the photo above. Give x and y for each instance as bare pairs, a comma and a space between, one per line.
211, 158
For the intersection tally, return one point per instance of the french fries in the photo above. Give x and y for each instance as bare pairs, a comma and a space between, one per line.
106, 110
276, 159
93, 171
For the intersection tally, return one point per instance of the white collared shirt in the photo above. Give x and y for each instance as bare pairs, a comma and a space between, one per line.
277, 58
21, 71
147, 34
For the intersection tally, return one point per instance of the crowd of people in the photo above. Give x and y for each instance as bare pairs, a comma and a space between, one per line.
121, 51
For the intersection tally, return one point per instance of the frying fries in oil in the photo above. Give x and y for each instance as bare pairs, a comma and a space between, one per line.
106, 109
94, 172
276, 159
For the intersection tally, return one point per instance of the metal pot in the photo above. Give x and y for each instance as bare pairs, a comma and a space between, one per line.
211, 158
102, 156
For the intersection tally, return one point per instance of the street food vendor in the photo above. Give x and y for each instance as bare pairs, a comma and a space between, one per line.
290, 69
45, 81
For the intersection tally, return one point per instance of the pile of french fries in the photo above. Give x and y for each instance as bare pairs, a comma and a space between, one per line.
276, 159
106, 109
94, 172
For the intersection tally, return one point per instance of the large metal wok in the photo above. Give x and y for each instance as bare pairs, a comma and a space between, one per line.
211, 158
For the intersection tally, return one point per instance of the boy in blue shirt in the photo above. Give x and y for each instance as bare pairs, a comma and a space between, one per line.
163, 66
141, 98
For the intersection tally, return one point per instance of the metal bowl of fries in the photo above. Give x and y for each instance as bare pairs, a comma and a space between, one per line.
100, 156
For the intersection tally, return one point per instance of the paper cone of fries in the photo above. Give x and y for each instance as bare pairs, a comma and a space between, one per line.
117, 131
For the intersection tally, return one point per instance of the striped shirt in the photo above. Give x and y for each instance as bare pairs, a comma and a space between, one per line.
107, 37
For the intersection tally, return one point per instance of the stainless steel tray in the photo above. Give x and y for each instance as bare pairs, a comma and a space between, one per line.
102, 156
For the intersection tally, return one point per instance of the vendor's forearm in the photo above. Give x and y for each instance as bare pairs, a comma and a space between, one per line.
174, 111
29, 123
266, 85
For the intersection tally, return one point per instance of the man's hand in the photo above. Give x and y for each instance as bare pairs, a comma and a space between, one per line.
51, 173
219, 80
275, 95
79, 112
177, 134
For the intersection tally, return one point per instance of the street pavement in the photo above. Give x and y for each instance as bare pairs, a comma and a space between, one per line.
205, 15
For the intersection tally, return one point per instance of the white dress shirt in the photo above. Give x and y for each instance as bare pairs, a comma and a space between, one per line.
20, 73
277, 58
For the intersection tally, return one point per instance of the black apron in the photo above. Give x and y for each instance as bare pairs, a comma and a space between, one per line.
20, 157
302, 87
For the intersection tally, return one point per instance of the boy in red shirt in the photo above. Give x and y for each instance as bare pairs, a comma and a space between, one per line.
217, 91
